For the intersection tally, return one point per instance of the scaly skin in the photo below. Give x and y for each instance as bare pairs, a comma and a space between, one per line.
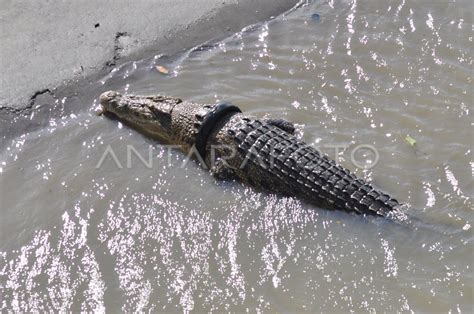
260, 153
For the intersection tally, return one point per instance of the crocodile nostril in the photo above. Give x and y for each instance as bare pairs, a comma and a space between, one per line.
108, 95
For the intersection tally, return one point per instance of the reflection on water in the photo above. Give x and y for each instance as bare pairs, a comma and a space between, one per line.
168, 238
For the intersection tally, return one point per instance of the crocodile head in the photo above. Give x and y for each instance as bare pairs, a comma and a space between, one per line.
150, 115
168, 119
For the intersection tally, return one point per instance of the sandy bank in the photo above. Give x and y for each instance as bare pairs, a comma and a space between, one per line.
48, 43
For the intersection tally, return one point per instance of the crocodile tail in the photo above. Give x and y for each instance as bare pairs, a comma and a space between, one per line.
321, 179
292, 167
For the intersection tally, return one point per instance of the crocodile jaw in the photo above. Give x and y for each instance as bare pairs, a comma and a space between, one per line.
146, 115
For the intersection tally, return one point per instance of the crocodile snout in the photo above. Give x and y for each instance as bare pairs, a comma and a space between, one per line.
107, 99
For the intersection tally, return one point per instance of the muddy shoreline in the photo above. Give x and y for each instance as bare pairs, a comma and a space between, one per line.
63, 44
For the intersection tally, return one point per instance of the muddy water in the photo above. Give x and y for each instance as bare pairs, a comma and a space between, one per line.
133, 235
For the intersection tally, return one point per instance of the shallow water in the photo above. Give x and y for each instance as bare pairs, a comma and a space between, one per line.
171, 238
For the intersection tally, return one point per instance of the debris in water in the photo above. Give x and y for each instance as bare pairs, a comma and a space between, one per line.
315, 17
410, 140
162, 69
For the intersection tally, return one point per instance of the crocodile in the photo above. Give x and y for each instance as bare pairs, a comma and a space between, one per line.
263, 153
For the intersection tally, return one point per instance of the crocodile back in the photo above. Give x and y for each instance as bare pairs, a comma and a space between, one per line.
275, 160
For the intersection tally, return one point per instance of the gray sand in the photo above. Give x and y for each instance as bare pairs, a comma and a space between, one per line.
45, 44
